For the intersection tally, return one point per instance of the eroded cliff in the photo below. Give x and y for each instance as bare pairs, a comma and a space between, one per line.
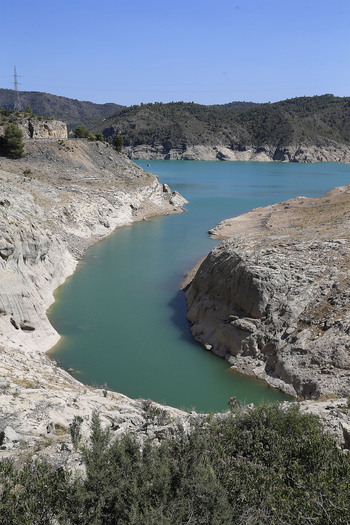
274, 298
326, 151
37, 127
55, 202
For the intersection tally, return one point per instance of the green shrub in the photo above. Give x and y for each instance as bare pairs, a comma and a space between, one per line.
12, 142
118, 143
100, 137
6, 112
29, 111
82, 132
33, 494
269, 465
75, 431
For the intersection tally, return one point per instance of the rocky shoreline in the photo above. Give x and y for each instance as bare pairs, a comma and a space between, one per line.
274, 297
63, 196
328, 151
54, 203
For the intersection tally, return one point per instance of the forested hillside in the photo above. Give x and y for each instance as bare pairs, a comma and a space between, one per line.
71, 111
300, 120
304, 129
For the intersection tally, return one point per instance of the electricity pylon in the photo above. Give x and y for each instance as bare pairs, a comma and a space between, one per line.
16, 105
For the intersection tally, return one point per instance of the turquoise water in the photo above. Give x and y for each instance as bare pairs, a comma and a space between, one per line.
122, 316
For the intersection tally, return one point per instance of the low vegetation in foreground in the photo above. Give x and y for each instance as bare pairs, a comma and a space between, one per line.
269, 465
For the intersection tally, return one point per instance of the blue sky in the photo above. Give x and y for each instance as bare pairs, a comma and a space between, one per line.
206, 51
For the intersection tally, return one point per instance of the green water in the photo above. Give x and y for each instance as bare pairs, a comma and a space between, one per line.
122, 316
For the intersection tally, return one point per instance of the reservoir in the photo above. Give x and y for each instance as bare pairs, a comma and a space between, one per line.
122, 316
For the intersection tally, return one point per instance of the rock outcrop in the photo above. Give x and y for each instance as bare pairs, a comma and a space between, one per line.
274, 298
45, 129
56, 201
328, 151
40, 128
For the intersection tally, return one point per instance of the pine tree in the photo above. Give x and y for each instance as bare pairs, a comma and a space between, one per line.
13, 142
118, 143
100, 137
82, 132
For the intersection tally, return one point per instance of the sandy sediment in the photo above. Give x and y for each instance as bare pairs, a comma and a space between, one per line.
298, 217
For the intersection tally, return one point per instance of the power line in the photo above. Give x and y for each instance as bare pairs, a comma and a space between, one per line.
17, 104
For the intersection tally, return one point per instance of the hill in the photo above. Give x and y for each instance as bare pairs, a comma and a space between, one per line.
237, 105
304, 129
71, 111
277, 131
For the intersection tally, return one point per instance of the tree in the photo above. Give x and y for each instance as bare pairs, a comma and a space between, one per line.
118, 143
13, 142
82, 132
29, 111
100, 137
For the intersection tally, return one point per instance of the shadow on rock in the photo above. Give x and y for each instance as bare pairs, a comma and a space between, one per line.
179, 307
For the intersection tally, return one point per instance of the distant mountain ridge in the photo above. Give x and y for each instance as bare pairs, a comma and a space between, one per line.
303, 129
280, 123
278, 131
73, 112
236, 105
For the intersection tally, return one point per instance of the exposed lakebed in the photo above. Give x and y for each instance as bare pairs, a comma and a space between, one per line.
122, 316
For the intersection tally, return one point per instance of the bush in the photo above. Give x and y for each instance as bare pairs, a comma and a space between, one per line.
277, 466
29, 111
82, 132
270, 465
118, 143
100, 137
34, 494
12, 142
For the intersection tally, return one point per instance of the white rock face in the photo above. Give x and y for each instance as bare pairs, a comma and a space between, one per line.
274, 298
196, 152
33, 128
329, 151
46, 129
54, 203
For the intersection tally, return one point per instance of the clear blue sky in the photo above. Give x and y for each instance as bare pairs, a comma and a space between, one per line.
206, 51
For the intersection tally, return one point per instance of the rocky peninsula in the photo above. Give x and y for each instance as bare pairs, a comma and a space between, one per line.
273, 298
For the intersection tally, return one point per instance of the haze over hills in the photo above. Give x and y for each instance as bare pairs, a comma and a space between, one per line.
71, 111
